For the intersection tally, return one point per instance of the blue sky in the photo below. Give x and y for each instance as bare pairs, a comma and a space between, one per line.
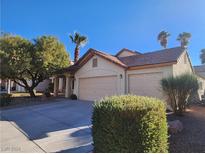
109, 25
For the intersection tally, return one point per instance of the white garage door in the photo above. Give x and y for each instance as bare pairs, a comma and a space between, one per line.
147, 84
95, 88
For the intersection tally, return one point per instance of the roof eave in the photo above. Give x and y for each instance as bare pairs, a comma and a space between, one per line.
151, 65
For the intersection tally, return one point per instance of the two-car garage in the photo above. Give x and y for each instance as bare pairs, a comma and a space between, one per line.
144, 84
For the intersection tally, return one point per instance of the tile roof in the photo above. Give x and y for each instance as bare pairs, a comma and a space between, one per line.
70, 69
156, 57
150, 58
200, 68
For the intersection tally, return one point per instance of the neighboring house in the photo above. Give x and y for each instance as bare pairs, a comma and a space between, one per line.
11, 86
200, 72
97, 74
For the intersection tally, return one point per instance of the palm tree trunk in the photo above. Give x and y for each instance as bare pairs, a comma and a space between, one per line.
76, 53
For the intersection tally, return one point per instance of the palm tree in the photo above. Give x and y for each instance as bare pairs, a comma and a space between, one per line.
79, 40
202, 56
184, 39
163, 38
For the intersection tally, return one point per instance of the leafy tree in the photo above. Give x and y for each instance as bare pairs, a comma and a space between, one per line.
178, 90
163, 38
28, 63
79, 40
202, 56
184, 39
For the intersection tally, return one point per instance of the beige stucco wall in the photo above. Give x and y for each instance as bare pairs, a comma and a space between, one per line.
182, 67
163, 71
104, 68
126, 53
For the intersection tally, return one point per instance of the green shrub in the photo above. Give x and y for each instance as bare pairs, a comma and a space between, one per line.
5, 99
178, 90
129, 123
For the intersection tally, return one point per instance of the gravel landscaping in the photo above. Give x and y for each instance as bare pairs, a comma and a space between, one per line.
192, 137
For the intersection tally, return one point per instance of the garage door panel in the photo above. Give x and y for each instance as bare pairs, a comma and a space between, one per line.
147, 84
97, 87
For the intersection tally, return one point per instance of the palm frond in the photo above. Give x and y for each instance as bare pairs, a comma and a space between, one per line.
163, 34
179, 38
83, 40
76, 36
78, 39
71, 37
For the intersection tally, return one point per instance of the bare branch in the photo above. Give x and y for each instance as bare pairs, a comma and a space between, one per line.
19, 83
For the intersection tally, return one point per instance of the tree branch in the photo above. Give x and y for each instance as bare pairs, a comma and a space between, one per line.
19, 83
29, 72
24, 81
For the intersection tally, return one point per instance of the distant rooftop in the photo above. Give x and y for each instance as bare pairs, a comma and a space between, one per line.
200, 68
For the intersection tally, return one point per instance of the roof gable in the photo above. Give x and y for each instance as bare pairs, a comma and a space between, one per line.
126, 52
91, 52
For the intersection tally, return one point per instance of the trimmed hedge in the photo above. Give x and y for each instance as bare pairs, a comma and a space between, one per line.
129, 123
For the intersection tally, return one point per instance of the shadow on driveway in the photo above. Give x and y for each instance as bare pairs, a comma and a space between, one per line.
56, 126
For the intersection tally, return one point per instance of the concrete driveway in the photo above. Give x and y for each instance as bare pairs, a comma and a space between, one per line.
64, 126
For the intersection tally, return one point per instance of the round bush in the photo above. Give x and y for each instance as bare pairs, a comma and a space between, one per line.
129, 123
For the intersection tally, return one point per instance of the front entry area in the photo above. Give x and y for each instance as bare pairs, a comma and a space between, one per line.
95, 88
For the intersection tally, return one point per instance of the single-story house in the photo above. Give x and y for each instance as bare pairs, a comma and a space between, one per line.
200, 72
98, 74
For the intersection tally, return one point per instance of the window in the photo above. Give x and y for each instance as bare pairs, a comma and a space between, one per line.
185, 59
95, 62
